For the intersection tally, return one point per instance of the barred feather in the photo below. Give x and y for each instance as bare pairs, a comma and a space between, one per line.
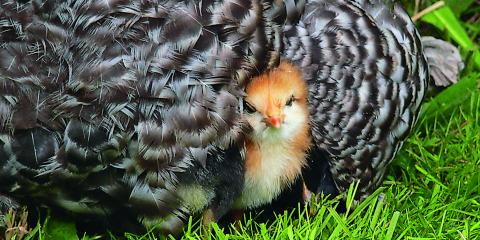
112, 100
367, 75
109, 106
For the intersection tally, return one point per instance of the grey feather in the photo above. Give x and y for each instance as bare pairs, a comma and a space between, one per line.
444, 61
105, 103
367, 75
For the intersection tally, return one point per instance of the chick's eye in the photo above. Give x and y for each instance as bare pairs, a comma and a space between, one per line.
249, 108
290, 101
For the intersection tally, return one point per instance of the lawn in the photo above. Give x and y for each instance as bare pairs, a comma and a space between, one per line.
432, 190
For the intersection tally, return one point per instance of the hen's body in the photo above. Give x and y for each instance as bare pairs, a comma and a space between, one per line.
104, 103
364, 65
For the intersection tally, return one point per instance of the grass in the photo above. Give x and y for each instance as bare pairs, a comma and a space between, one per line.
432, 190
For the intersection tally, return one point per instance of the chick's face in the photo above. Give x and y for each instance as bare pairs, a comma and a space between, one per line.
276, 103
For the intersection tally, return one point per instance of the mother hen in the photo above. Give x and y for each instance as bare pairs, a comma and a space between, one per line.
104, 103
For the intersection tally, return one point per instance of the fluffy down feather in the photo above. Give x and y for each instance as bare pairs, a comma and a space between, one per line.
104, 103
276, 148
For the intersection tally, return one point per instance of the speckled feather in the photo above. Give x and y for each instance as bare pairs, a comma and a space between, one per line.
367, 75
104, 103
110, 100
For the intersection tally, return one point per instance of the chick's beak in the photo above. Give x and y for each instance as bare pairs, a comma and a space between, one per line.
274, 121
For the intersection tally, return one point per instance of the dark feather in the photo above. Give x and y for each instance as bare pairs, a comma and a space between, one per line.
367, 74
108, 101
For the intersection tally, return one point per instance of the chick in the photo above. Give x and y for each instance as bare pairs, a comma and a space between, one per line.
276, 109
213, 188
208, 189
275, 149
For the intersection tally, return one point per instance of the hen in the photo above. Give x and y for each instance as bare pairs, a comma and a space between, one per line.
108, 106
104, 104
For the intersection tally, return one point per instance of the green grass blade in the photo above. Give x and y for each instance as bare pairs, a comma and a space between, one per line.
393, 225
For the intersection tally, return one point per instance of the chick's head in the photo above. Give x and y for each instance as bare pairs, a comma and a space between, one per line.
276, 103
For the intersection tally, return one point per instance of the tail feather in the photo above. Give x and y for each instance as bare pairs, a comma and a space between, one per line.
444, 61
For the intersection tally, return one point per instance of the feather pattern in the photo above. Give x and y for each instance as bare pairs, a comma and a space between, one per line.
120, 105
114, 100
364, 64
444, 61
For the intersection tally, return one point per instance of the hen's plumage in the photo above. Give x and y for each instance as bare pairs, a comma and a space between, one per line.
364, 64
103, 103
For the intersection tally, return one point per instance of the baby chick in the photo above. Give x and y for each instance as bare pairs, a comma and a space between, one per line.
210, 189
276, 108
275, 150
